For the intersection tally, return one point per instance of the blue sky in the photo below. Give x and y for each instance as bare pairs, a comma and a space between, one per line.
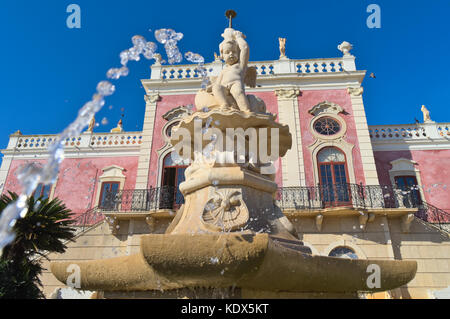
49, 71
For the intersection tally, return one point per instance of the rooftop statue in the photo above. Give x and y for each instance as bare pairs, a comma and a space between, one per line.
282, 47
426, 115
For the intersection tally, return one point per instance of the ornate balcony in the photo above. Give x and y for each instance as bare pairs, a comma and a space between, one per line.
294, 201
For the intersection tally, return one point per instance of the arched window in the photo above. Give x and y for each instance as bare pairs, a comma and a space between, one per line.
42, 191
172, 176
333, 176
343, 252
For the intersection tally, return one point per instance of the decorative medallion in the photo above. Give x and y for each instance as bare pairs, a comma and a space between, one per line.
225, 211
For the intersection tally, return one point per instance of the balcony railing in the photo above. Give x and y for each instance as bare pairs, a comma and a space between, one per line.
293, 198
135, 200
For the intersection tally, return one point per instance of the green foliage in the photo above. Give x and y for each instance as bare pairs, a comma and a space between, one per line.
45, 228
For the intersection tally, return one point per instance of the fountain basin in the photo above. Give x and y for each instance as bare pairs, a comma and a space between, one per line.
244, 260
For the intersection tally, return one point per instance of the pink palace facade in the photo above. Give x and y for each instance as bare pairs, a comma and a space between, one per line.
391, 179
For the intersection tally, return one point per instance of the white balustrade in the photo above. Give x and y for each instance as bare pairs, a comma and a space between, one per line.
399, 132
93, 141
419, 131
264, 68
116, 140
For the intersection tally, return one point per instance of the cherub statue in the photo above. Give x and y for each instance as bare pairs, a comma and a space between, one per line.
227, 91
235, 52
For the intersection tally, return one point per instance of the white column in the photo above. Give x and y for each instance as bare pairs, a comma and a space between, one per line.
362, 131
7, 160
147, 139
293, 169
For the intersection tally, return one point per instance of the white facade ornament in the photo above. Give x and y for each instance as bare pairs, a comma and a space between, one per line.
355, 91
326, 107
178, 112
345, 48
153, 98
406, 222
426, 115
287, 93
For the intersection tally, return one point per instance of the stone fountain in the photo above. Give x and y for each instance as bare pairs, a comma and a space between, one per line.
229, 232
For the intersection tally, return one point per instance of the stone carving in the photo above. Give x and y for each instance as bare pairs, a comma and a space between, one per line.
227, 91
118, 128
355, 91
345, 48
287, 94
282, 42
158, 59
152, 98
91, 125
178, 112
225, 211
426, 115
326, 107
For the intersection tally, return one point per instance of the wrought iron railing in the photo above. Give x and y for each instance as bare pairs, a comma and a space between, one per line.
339, 195
293, 198
135, 200
435, 216
87, 220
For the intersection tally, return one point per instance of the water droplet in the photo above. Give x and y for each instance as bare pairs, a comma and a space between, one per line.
116, 73
194, 57
105, 88
105, 121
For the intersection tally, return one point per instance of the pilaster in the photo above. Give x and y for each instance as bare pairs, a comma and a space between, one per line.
147, 139
293, 169
362, 132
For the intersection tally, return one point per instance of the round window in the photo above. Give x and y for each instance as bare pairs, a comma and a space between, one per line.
327, 126
343, 252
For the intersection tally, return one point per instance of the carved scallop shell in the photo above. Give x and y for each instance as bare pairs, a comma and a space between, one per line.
225, 211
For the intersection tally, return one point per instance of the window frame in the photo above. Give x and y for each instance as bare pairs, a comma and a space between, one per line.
322, 185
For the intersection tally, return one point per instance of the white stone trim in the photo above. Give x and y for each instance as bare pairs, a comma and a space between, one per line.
314, 250
112, 173
362, 133
147, 140
293, 167
405, 167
